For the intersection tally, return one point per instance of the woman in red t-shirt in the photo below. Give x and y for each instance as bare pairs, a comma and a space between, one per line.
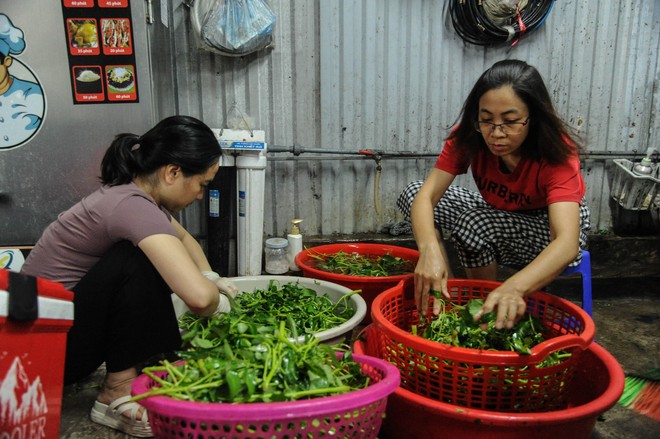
528, 211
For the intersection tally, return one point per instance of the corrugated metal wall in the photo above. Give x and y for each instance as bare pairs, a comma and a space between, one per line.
392, 75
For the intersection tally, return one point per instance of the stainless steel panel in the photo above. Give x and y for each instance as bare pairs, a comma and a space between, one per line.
61, 163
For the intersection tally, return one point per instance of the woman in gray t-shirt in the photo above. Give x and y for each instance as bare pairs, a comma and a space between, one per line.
123, 254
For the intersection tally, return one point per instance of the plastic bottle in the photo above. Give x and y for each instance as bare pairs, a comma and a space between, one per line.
295, 243
276, 256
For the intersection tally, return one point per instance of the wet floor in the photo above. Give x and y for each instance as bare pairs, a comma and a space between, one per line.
627, 316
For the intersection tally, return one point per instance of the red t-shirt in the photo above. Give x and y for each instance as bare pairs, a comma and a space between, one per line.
531, 185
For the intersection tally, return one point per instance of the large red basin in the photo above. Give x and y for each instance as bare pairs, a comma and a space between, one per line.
597, 386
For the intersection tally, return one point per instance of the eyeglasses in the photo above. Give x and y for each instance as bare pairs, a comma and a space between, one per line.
483, 126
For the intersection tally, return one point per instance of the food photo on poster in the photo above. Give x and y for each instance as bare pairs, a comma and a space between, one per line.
121, 83
83, 37
88, 84
116, 36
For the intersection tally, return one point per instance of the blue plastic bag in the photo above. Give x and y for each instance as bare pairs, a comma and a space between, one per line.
238, 27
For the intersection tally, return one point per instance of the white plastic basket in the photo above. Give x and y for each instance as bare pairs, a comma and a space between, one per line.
332, 336
633, 191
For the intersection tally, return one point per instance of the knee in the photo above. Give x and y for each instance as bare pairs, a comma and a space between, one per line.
122, 249
473, 225
470, 218
129, 257
407, 196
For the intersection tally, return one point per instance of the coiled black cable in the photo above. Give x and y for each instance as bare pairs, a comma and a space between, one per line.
474, 26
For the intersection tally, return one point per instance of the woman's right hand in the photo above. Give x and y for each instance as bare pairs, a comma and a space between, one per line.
431, 274
432, 271
169, 256
223, 304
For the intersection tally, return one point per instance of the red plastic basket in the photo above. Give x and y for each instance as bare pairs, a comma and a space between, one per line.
598, 384
371, 286
484, 379
356, 414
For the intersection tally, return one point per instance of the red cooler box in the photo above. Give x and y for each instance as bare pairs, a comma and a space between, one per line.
35, 316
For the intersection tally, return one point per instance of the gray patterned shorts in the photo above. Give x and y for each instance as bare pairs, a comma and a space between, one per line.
483, 235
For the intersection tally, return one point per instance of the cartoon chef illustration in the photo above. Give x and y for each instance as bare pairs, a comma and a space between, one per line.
22, 100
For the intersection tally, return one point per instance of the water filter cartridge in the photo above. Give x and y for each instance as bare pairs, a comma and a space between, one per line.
295, 244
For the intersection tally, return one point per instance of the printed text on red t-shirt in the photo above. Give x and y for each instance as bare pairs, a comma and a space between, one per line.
502, 191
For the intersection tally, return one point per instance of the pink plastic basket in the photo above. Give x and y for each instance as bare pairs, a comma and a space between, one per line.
356, 414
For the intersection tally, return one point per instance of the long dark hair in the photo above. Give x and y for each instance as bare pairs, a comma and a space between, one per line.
179, 140
549, 137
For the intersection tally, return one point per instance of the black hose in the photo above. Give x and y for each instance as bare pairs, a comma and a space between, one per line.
472, 24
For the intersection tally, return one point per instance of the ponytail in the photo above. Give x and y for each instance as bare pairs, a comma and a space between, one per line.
119, 165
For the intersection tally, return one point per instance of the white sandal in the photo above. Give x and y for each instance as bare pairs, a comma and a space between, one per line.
112, 416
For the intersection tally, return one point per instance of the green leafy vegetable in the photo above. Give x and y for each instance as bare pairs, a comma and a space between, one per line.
355, 264
260, 312
247, 355
505, 387
456, 326
249, 367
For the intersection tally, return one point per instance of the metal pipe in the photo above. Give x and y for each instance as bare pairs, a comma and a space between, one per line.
297, 150
604, 155
346, 157
334, 154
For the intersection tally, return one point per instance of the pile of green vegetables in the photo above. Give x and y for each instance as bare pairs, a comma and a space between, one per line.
456, 327
493, 387
305, 310
252, 354
355, 264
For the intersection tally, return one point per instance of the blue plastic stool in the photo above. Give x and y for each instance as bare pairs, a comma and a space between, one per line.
584, 268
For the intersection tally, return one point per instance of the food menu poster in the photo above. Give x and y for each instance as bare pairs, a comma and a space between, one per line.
100, 46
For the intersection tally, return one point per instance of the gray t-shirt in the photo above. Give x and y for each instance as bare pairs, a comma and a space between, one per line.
72, 244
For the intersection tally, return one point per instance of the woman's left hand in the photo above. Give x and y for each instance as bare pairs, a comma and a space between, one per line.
509, 304
225, 286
